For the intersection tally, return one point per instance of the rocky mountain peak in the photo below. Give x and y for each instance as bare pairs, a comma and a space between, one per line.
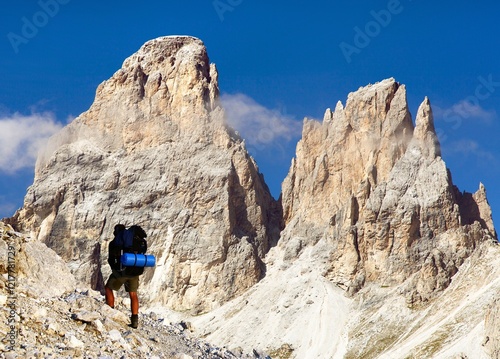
373, 190
153, 149
167, 73
353, 149
167, 88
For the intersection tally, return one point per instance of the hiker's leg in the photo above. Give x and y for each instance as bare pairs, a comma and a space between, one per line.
134, 302
131, 286
110, 298
114, 283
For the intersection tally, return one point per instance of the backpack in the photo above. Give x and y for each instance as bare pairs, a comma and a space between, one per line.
131, 240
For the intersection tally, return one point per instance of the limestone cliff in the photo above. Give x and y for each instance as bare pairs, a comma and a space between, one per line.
153, 149
44, 314
374, 188
381, 255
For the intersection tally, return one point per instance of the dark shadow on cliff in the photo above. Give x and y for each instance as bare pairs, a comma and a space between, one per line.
469, 210
271, 210
96, 280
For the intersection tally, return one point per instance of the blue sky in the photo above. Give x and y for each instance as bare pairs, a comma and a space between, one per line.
282, 60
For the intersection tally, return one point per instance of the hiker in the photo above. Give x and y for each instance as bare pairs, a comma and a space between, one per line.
128, 276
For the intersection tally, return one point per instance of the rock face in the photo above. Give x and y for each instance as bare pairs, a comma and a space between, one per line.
374, 188
30, 267
370, 211
371, 228
492, 340
153, 150
45, 314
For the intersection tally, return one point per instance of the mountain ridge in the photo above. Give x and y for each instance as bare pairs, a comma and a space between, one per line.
368, 214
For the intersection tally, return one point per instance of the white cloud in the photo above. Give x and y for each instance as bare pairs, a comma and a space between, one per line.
469, 147
70, 119
21, 138
261, 127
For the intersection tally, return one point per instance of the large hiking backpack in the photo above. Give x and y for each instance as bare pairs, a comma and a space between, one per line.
131, 240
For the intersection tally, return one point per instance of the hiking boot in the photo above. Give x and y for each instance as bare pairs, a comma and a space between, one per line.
134, 319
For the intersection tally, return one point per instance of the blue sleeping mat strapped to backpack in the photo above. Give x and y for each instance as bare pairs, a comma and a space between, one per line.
138, 260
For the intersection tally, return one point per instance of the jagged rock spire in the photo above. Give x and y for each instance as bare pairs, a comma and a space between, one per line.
375, 191
425, 132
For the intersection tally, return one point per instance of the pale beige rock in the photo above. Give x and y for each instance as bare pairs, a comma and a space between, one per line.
113, 314
347, 154
35, 269
481, 210
376, 189
425, 133
86, 316
42, 272
74, 342
153, 149
115, 335
492, 330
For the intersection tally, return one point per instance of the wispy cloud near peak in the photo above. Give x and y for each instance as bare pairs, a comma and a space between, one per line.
21, 138
467, 147
262, 128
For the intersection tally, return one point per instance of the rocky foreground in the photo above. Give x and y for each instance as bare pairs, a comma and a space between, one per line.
289, 313
77, 323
